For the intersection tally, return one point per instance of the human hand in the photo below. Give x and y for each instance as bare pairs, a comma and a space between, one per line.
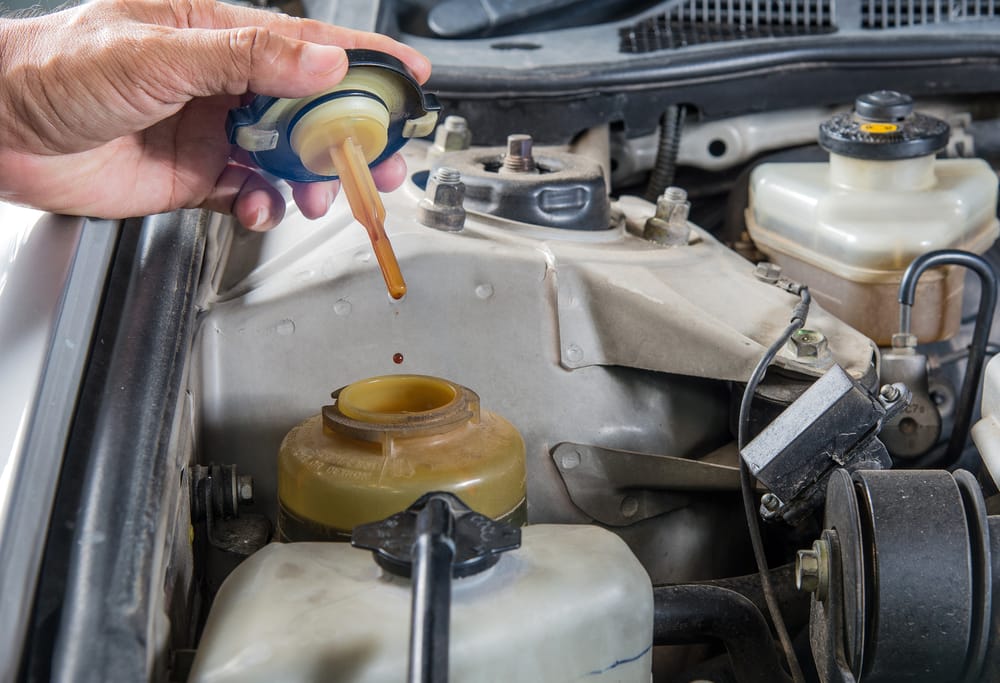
117, 108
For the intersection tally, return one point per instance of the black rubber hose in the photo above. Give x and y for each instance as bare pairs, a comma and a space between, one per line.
980, 336
794, 604
696, 614
667, 151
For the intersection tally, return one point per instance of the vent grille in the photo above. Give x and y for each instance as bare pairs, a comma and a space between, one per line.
885, 14
696, 22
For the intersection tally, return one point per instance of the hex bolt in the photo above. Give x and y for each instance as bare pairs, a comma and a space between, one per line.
808, 344
244, 489
767, 272
889, 393
518, 158
451, 136
442, 206
812, 569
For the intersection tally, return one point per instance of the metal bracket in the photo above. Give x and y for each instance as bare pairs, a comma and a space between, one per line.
619, 488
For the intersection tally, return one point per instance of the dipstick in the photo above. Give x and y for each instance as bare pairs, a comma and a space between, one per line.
367, 207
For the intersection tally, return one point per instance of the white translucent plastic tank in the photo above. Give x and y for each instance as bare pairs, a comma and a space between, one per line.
850, 227
572, 603
863, 222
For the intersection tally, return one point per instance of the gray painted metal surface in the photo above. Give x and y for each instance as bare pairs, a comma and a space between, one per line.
51, 284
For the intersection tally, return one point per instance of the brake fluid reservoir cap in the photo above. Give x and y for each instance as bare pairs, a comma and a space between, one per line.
379, 104
884, 127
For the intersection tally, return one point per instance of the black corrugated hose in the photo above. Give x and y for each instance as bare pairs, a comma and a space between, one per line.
662, 177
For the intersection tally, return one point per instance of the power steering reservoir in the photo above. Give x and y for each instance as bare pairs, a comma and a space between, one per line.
850, 227
386, 441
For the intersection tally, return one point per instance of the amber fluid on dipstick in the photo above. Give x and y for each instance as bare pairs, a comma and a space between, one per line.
367, 207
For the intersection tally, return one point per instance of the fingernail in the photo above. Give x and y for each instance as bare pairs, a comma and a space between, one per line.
321, 59
260, 220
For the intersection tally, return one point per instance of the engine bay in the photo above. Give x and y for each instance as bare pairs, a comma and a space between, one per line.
697, 332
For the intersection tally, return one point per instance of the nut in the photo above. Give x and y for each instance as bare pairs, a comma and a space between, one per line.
442, 206
889, 393
673, 204
453, 134
767, 272
904, 341
669, 226
808, 344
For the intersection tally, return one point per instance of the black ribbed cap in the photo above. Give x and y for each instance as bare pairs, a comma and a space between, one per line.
884, 127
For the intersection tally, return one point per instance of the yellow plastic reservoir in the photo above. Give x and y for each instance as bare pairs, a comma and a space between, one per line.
385, 442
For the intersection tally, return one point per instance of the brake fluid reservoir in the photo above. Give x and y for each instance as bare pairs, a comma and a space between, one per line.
385, 442
850, 227
571, 604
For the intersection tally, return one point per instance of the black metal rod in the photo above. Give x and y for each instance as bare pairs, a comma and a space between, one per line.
980, 336
696, 613
433, 552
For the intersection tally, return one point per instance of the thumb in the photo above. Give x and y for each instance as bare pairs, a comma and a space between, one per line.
253, 58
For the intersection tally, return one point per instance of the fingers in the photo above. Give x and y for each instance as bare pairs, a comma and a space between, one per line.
232, 61
242, 192
215, 15
390, 174
314, 199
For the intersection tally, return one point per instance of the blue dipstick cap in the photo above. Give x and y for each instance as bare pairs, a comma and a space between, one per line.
265, 126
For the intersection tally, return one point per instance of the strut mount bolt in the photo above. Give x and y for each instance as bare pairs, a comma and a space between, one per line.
519, 158
442, 206
453, 135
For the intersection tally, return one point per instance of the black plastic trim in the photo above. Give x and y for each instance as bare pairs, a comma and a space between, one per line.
555, 103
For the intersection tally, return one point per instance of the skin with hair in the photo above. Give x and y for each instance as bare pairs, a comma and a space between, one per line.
117, 108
